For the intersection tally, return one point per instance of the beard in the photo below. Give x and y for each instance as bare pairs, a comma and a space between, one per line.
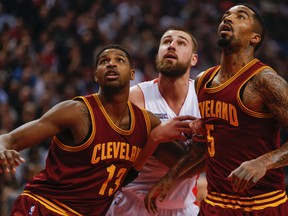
223, 42
114, 86
229, 45
167, 68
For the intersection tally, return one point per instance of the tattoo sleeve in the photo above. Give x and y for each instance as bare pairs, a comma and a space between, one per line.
277, 158
274, 91
190, 160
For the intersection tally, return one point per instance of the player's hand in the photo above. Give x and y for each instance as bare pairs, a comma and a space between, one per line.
159, 190
9, 160
198, 130
247, 175
176, 128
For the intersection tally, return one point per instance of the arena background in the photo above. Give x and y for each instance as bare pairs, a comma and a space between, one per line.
47, 50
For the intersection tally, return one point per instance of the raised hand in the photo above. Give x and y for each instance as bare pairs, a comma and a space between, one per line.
175, 128
198, 130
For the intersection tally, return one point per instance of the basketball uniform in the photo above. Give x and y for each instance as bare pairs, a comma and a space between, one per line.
237, 134
180, 201
82, 180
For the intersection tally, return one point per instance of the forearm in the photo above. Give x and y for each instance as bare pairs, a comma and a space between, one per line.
192, 163
173, 129
146, 152
12, 142
5, 142
277, 158
196, 170
25, 136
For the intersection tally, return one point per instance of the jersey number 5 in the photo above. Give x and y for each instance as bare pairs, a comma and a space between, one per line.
111, 172
210, 140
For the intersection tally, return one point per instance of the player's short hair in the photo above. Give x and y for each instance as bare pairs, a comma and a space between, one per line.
114, 46
258, 21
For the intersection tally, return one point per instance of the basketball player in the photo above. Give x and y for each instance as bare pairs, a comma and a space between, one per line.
171, 94
243, 103
96, 139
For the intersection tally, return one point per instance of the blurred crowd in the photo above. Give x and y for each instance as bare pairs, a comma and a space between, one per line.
47, 50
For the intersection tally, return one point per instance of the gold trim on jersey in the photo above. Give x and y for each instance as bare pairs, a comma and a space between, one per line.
89, 140
271, 199
200, 80
243, 107
147, 120
235, 76
63, 210
111, 123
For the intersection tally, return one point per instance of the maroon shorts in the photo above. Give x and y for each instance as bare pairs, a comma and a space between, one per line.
25, 205
209, 210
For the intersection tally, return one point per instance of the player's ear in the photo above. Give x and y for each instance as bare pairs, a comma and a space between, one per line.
255, 38
132, 74
95, 76
194, 59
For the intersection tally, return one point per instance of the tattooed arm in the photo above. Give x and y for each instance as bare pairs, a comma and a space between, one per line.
266, 92
191, 162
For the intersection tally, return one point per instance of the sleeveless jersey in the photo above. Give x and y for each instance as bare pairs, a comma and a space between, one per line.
236, 134
83, 179
181, 194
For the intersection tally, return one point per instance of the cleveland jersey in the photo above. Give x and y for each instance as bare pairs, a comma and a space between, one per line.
83, 179
181, 194
236, 134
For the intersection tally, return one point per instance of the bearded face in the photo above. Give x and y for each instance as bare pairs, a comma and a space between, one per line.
171, 68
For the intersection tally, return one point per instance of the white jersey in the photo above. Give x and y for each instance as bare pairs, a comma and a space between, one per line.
181, 195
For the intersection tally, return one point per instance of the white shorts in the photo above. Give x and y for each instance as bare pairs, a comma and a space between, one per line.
126, 204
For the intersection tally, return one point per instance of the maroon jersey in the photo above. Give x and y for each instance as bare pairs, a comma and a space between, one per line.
83, 179
236, 134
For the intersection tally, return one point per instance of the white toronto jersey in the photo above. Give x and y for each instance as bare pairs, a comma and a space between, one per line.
181, 195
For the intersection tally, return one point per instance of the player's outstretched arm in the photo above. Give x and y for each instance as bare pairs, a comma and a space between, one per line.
61, 117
